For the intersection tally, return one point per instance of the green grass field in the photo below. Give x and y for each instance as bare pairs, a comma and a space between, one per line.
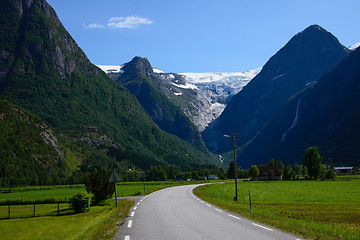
315, 209
65, 192
101, 222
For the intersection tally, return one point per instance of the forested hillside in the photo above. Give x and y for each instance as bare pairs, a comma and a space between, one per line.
43, 70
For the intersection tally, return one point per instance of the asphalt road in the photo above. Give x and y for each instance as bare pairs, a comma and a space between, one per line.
176, 214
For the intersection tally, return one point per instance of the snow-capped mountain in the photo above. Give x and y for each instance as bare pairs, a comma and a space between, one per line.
355, 46
202, 96
223, 84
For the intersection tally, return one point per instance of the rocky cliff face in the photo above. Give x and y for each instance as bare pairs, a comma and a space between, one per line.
200, 106
305, 58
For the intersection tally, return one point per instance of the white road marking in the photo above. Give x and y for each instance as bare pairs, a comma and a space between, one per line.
202, 201
135, 208
129, 224
138, 203
132, 214
127, 237
262, 227
234, 217
208, 205
218, 210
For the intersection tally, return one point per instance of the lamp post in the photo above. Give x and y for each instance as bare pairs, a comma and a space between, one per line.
235, 165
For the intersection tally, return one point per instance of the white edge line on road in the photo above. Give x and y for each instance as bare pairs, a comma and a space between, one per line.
262, 227
135, 208
127, 237
138, 203
202, 201
130, 224
132, 214
208, 205
234, 216
218, 210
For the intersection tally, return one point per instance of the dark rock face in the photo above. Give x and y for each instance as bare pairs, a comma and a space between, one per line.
325, 115
300, 63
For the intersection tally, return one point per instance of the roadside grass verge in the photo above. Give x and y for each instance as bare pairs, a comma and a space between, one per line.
101, 222
314, 209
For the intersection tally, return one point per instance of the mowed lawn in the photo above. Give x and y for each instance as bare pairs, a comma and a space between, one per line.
315, 209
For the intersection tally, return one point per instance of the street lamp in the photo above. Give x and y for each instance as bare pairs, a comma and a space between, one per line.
234, 140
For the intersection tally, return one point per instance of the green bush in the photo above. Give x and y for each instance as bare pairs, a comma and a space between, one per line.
80, 202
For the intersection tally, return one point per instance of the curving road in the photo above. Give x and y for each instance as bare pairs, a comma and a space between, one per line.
176, 214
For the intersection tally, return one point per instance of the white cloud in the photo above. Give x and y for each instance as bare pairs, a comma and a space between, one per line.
93, 26
130, 22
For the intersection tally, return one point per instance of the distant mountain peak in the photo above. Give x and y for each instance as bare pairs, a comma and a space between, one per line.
138, 64
355, 46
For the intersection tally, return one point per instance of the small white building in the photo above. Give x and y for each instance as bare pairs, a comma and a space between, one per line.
344, 169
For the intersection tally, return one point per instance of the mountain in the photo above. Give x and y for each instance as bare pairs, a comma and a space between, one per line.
139, 78
355, 46
325, 115
224, 85
201, 96
305, 58
43, 70
30, 151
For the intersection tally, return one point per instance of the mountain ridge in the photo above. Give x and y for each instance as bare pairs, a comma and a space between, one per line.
202, 96
305, 57
323, 115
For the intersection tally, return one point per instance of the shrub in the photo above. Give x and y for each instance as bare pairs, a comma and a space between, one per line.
97, 183
80, 202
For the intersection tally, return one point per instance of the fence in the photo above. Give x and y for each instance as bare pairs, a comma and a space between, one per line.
34, 210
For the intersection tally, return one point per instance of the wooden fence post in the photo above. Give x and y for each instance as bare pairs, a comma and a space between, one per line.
250, 199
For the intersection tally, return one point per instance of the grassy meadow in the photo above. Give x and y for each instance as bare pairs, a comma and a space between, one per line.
101, 222
64, 192
314, 209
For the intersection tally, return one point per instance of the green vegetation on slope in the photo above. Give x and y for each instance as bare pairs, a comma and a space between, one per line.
100, 122
141, 81
315, 209
29, 150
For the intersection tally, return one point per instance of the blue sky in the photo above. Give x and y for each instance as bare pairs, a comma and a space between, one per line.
200, 35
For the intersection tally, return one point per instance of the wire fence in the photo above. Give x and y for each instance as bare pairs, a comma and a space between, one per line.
34, 210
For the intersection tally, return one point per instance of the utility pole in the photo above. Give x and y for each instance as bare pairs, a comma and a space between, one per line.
235, 165
236, 191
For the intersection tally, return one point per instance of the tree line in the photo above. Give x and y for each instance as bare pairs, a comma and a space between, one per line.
311, 168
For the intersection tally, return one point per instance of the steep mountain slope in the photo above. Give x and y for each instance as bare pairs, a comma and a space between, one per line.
325, 115
44, 71
30, 152
139, 78
306, 57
